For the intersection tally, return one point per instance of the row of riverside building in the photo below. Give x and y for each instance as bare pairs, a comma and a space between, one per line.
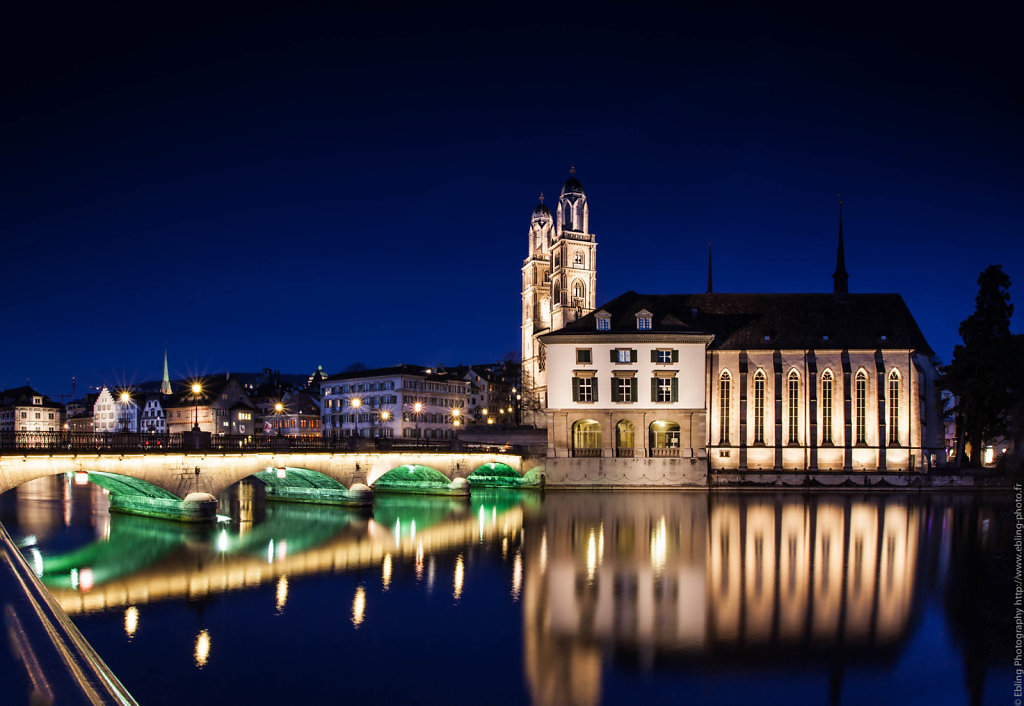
401, 401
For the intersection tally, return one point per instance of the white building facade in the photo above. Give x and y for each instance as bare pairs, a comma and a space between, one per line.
115, 411
25, 409
404, 401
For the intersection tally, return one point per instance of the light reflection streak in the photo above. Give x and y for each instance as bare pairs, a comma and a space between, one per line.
386, 572
591, 557
358, 607
419, 560
202, 651
282, 592
431, 566
517, 575
459, 576
131, 621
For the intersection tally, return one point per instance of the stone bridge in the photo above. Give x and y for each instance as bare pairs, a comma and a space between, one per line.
217, 470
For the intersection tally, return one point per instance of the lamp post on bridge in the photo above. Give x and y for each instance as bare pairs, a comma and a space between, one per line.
355, 403
197, 390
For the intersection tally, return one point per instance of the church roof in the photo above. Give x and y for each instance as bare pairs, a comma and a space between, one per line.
572, 186
767, 321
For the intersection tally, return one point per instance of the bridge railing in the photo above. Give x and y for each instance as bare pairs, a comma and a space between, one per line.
50, 442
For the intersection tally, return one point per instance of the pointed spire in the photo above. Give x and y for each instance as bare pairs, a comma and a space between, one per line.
711, 289
840, 278
165, 386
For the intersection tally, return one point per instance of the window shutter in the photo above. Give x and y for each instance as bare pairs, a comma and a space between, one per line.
575, 389
632, 355
675, 355
654, 389
593, 383
654, 355
615, 390
615, 356
675, 389
632, 390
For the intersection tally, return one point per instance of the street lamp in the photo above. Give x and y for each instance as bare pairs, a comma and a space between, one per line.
456, 413
384, 416
278, 408
197, 389
355, 403
126, 399
417, 407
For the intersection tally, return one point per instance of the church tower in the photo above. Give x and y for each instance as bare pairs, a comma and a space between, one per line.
573, 270
559, 277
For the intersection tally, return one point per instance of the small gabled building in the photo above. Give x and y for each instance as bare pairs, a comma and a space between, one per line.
221, 407
26, 409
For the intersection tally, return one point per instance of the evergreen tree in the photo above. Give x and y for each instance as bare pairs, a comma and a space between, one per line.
985, 374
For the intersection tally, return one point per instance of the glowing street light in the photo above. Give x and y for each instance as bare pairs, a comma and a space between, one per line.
417, 407
197, 389
456, 413
125, 398
278, 409
355, 403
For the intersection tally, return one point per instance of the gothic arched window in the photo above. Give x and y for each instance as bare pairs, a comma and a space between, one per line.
577, 290
826, 407
894, 407
724, 395
861, 410
794, 407
759, 407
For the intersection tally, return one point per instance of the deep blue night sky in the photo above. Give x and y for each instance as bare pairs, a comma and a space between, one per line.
290, 186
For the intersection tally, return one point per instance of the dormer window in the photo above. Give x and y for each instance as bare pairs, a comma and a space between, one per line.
604, 320
643, 320
39, 400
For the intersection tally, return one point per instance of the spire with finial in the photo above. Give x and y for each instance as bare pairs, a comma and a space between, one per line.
840, 278
711, 289
165, 386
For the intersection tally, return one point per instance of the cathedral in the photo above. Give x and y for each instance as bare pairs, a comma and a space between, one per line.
559, 284
677, 390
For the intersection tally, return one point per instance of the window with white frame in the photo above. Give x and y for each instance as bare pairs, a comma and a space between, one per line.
826, 407
604, 324
894, 408
724, 395
794, 407
643, 323
759, 407
861, 407
584, 389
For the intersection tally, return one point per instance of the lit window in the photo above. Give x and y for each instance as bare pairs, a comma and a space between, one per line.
794, 407
724, 394
860, 414
894, 408
759, 407
826, 407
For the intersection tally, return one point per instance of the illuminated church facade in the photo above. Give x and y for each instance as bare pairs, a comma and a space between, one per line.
669, 389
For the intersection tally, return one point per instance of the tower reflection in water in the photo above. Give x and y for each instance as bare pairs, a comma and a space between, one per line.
719, 578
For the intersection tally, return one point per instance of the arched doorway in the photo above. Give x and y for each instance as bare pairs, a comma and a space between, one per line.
624, 438
664, 438
586, 438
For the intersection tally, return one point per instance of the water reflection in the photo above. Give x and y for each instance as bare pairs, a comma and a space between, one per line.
600, 583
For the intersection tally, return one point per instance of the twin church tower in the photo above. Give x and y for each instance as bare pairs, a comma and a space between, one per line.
559, 283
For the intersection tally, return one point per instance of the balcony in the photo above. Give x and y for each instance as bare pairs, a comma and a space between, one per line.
586, 453
664, 452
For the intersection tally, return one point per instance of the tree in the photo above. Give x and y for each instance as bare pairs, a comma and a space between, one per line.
985, 374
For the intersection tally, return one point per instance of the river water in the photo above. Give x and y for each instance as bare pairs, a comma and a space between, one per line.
557, 598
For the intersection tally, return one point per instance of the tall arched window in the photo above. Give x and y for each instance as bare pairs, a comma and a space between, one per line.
724, 395
794, 407
860, 412
894, 407
577, 290
759, 407
826, 407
